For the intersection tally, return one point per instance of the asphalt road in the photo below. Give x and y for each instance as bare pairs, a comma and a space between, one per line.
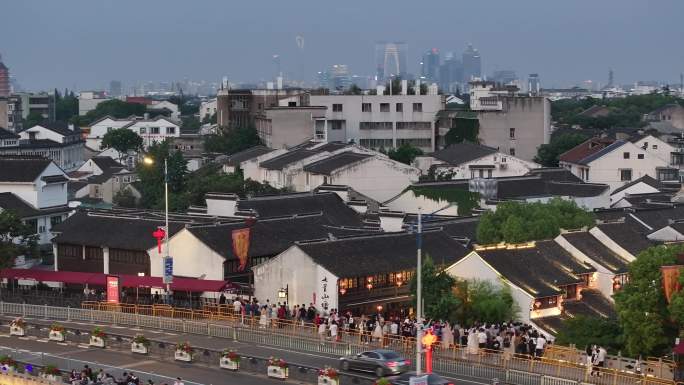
112, 357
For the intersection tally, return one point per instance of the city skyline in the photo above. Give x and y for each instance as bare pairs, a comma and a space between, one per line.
563, 50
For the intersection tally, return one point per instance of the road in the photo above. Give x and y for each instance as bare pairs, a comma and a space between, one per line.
318, 360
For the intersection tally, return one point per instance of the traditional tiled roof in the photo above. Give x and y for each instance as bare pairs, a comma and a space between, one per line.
596, 155
459, 153
584, 149
5, 134
657, 218
331, 164
382, 253
16, 168
250, 153
105, 162
647, 179
627, 235
597, 251
592, 304
281, 161
11, 202
541, 271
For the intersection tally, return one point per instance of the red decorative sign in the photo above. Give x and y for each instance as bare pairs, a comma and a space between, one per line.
112, 289
159, 234
241, 246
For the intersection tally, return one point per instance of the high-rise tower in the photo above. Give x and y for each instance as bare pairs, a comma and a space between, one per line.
430, 65
472, 64
390, 60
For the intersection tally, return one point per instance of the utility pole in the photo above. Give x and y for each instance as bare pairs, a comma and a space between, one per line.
419, 294
166, 215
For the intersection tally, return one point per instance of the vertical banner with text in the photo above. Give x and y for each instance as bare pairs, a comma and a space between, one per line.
112, 289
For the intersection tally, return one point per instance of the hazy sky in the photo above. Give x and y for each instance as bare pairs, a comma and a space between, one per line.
87, 43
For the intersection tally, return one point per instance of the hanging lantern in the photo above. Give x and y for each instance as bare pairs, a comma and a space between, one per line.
537, 304
369, 286
343, 290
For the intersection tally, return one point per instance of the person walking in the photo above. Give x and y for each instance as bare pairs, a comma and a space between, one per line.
333, 331
321, 332
540, 345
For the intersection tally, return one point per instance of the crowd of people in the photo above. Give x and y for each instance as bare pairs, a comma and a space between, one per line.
89, 377
383, 330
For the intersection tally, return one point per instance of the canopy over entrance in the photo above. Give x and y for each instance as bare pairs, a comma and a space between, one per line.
131, 281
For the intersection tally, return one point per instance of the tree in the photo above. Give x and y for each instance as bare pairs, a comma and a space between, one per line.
125, 198
16, 238
463, 130
122, 140
152, 178
405, 153
547, 154
66, 107
583, 331
233, 141
190, 123
490, 303
115, 108
516, 222
438, 298
34, 118
646, 320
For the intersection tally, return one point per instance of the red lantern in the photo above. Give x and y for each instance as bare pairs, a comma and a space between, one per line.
343, 290
537, 304
159, 234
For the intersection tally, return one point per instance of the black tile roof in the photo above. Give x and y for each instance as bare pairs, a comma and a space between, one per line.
130, 232
459, 153
270, 237
540, 270
54, 179
250, 153
627, 235
597, 251
384, 253
105, 176
457, 228
657, 218
11, 202
105, 162
61, 128
43, 143
558, 174
592, 304
330, 204
21, 168
5, 134
644, 179
328, 165
678, 226
281, 161
330, 147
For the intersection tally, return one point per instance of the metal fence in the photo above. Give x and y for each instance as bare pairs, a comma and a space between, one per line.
449, 362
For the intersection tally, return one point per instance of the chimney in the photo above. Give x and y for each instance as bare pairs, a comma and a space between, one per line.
219, 204
404, 87
391, 221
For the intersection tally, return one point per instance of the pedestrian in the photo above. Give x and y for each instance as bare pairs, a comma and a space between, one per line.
540, 345
481, 339
333, 331
321, 332
178, 381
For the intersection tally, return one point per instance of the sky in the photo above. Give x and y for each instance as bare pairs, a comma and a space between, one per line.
83, 44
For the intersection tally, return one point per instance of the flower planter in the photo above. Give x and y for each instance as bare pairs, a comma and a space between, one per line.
8, 369
139, 348
226, 363
277, 372
180, 355
51, 377
97, 341
56, 336
325, 380
17, 331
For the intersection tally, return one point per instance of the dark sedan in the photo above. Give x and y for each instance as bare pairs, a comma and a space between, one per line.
381, 362
433, 379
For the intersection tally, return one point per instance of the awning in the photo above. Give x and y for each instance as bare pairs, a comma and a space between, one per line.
131, 281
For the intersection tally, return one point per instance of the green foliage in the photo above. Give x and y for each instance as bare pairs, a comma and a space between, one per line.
16, 238
34, 118
439, 301
190, 123
209, 119
463, 130
186, 106
232, 141
490, 303
405, 153
516, 222
354, 90
464, 200
114, 108
645, 318
584, 331
122, 140
125, 198
66, 106
547, 154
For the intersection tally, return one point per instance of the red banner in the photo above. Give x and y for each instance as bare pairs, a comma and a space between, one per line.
112, 289
241, 246
671, 280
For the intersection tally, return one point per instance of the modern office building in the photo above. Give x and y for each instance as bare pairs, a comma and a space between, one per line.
115, 88
430, 65
339, 77
504, 77
533, 85
472, 64
4, 80
390, 60
24, 103
450, 73
238, 108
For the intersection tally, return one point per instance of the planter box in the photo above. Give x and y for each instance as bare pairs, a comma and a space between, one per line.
139, 348
277, 372
17, 331
182, 356
228, 364
51, 377
97, 342
325, 380
56, 336
8, 369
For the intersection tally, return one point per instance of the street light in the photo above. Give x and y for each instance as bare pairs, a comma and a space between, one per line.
167, 257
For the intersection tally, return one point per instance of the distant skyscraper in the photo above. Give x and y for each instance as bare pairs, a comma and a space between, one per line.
390, 60
504, 76
4, 80
450, 73
115, 88
430, 65
339, 77
323, 79
533, 85
472, 64
611, 79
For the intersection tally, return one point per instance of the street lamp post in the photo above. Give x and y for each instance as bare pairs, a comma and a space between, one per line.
419, 293
167, 253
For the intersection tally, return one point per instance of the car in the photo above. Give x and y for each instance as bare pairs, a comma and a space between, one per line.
433, 379
382, 362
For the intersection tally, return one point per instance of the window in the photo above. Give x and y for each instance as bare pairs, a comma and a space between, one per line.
154, 130
375, 125
489, 173
116, 179
170, 130
400, 107
626, 174
41, 229
503, 159
512, 151
640, 156
142, 130
384, 107
625, 155
55, 220
655, 146
511, 132
126, 179
366, 107
336, 124
481, 172
337, 107
292, 104
414, 125
417, 107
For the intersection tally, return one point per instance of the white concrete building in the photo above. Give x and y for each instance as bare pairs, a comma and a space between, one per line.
151, 130
469, 160
379, 121
88, 101
207, 109
61, 143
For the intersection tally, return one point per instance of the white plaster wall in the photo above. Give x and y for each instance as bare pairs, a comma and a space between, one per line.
666, 234
53, 194
191, 258
408, 202
639, 188
41, 133
607, 168
506, 165
595, 202
251, 169
657, 147
25, 191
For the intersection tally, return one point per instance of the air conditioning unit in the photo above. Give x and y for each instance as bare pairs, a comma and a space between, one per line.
503, 166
